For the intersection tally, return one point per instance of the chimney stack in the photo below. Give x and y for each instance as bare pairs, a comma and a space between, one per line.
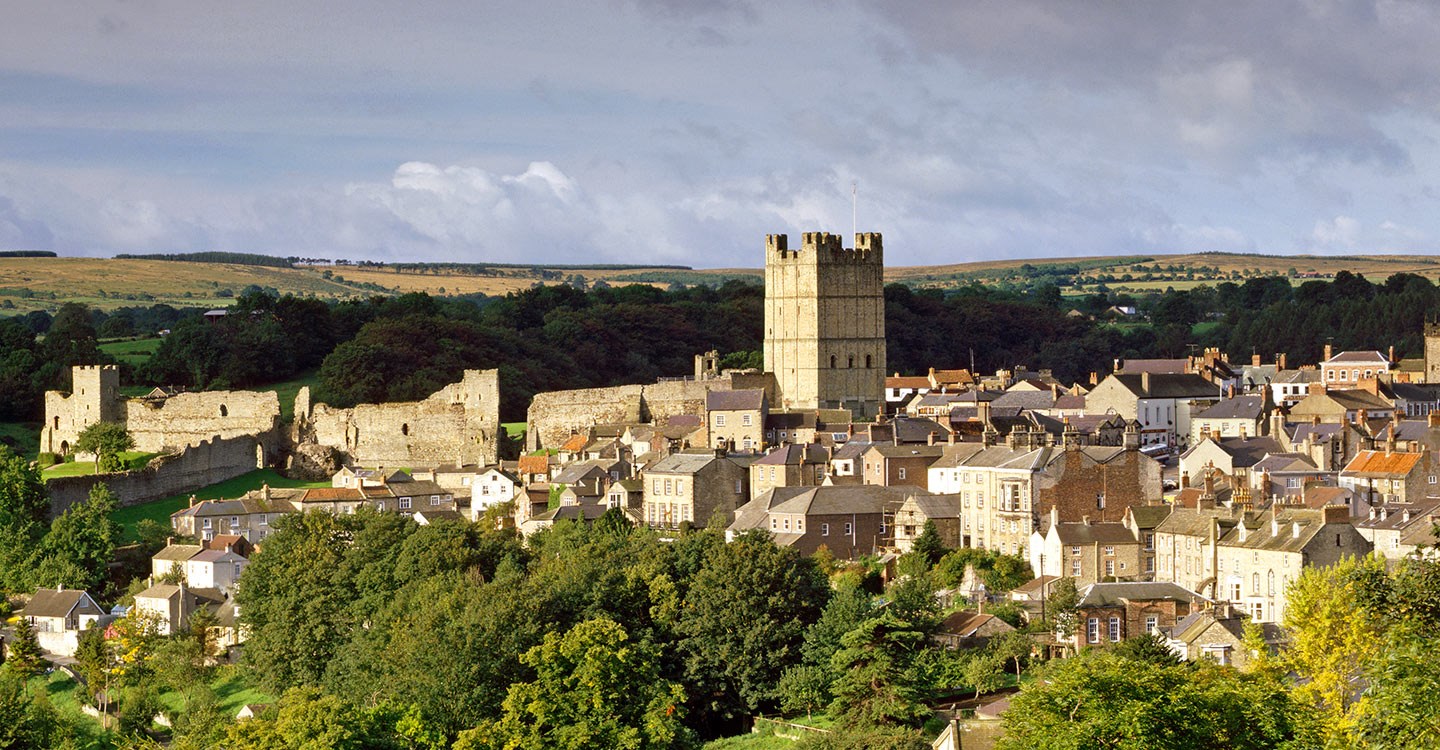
1145, 383
1328, 350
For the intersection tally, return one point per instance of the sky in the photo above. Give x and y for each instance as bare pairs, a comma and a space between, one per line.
681, 132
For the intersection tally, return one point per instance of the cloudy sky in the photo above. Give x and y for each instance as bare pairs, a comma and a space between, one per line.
682, 132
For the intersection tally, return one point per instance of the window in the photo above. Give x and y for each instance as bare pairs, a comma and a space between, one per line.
774, 523
1270, 583
669, 486
719, 420
234, 521
1075, 568
1114, 629
1074, 550
745, 420
850, 361
404, 503
902, 472
1109, 567
205, 524
1152, 623
239, 566
1149, 541
832, 361
824, 529
868, 364
848, 529
800, 524
1294, 482
1235, 591
1149, 565
434, 499
1110, 549
1092, 630
264, 520
655, 487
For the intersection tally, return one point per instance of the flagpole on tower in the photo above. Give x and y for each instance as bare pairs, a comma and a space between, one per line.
854, 207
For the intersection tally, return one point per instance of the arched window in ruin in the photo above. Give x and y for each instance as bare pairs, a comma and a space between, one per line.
868, 363
851, 361
832, 361
223, 411
57, 421
64, 447
405, 429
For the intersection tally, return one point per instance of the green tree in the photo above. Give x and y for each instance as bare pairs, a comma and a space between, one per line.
84, 536
1014, 647
744, 621
874, 687
593, 687
25, 659
1101, 699
27, 720
927, 545
107, 440
24, 519
1062, 607
984, 672
1334, 641
804, 688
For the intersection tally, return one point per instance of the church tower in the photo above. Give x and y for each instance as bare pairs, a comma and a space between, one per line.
825, 322
1432, 352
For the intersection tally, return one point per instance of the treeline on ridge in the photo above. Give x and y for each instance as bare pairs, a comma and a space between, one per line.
239, 259
557, 337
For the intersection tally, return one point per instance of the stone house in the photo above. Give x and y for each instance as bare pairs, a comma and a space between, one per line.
737, 418
1351, 367
1087, 551
215, 568
172, 605
1186, 544
962, 629
58, 616
917, 509
1416, 399
1285, 476
1162, 403
408, 497
1390, 476
789, 466
1259, 556
172, 558
628, 494
896, 465
846, 465
1290, 387
1332, 406
899, 389
1236, 416
248, 516
850, 521
1112, 612
1387, 525
693, 488
1218, 634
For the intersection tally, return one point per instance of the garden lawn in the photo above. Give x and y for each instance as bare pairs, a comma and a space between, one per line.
750, 742
60, 690
132, 459
232, 687
160, 510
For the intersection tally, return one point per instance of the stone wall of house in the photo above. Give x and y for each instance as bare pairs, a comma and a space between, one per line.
459, 423
1131, 478
191, 468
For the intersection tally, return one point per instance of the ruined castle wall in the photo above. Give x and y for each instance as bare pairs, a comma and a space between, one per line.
461, 422
194, 467
189, 418
553, 416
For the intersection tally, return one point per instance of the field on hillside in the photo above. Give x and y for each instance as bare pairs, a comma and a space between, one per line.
45, 283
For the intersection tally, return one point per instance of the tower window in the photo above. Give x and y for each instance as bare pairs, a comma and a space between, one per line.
851, 362
868, 364
832, 361
223, 411
404, 429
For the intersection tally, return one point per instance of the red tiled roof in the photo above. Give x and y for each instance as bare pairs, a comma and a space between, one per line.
1380, 462
534, 465
576, 443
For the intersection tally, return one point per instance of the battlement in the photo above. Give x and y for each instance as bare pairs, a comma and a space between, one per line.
824, 247
1432, 327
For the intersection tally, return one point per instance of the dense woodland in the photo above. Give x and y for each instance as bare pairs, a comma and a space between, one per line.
557, 337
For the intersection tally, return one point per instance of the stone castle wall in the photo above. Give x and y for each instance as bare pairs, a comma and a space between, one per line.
459, 423
189, 418
161, 424
554, 416
194, 467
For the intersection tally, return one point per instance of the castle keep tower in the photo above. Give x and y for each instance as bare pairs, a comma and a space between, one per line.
825, 322
1432, 352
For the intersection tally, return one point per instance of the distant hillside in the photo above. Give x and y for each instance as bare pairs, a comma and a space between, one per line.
44, 283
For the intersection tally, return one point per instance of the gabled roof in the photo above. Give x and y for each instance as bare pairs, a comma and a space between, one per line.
1280, 463
682, 463
1359, 358
332, 494
1382, 464
1168, 385
534, 465
1155, 366
1358, 399
1110, 594
907, 381
967, 624
794, 455
747, 399
1093, 533
575, 443
579, 472
167, 591
791, 420
917, 429
841, 500
935, 506
1293, 530
61, 603
1149, 516
850, 450
178, 552
1026, 399
1239, 407
1243, 452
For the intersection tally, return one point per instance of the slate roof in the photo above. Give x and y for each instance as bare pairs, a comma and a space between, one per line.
1111, 594
60, 603
791, 420
936, 506
1149, 516
795, 454
1239, 407
1358, 357
1194, 522
178, 552
1359, 399
1072, 533
747, 399
1155, 366
917, 429
1026, 399
1260, 534
1282, 463
1168, 385
682, 463
850, 450
839, 500
1244, 452
966, 624
198, 596
1291, 377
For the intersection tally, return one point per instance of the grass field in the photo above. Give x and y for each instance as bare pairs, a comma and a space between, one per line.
750, 742
160, 510
60, 689
134, 351
85, 468
23, 438
232, 685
